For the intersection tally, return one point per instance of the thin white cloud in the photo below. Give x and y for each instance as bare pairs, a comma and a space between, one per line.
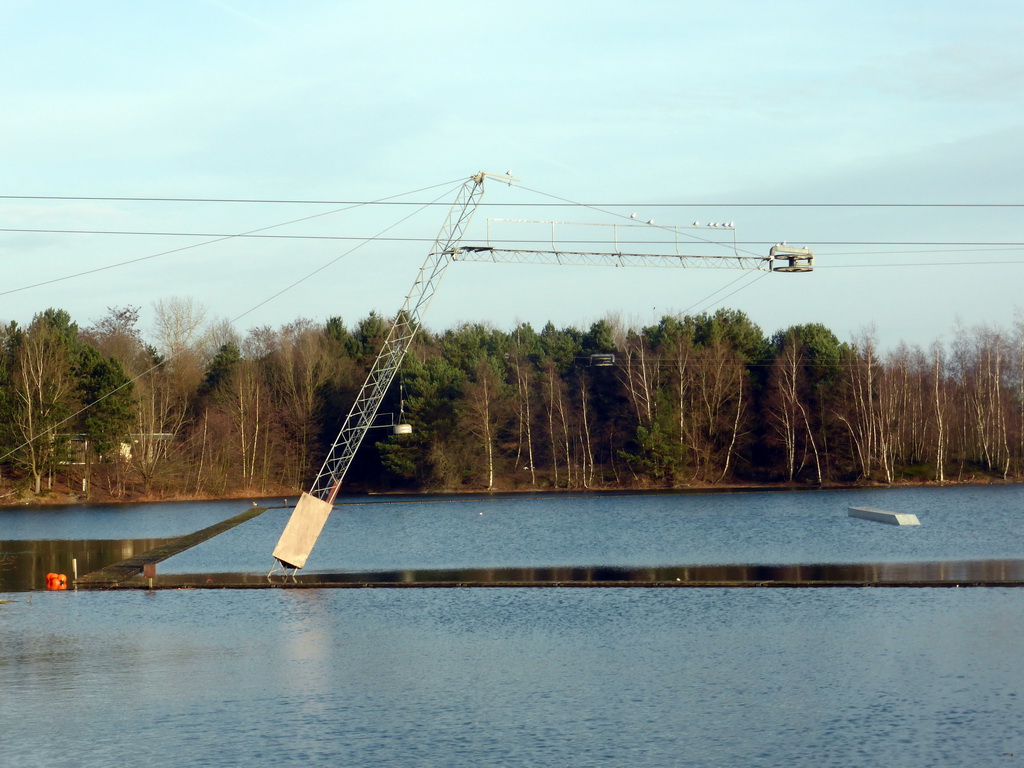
243, 15
963, 71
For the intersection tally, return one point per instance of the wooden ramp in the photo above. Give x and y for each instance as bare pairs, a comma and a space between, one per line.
115, 574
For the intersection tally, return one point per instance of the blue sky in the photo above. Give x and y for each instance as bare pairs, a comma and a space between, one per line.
646, 105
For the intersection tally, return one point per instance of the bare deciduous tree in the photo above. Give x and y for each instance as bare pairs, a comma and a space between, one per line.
43, 388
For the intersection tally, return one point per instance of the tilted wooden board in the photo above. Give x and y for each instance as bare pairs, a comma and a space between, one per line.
302, 531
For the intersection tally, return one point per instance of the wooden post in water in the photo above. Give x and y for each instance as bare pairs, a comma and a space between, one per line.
149, 572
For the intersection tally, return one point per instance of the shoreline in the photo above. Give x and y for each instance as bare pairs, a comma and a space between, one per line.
64, 499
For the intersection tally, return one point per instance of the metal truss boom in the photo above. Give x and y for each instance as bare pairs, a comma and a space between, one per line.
310, 514
609, 259
407, 323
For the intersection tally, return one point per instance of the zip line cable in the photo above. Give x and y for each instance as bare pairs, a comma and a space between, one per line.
253, 308
562, 204
217, 239
918, 264
420, 206
710, 296
253, 234
982, 246
446, 193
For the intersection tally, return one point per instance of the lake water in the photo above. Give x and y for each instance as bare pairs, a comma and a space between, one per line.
528, 677
35, 541
388, 533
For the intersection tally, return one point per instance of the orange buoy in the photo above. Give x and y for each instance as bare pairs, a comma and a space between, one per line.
56, 581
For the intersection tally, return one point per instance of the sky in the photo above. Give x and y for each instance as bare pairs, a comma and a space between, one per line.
888, 137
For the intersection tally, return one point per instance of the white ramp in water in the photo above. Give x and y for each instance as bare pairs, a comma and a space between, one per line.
302, 531
881, 516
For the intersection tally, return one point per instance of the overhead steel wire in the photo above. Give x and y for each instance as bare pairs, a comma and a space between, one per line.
248, 311
919, 264
603, 208
561, 204
216, 239
713, 294
254, 234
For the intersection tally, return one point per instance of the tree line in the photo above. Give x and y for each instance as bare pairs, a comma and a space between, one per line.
199, 410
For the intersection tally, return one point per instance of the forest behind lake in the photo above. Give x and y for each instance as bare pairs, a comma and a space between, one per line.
195, 409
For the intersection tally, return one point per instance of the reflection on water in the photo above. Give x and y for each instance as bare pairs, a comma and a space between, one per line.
991, 571
643, 678
952, 573
393, 534
24, 564
528, 677
114, 521
986, 571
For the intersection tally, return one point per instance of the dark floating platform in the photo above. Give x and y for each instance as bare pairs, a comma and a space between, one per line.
969, 573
